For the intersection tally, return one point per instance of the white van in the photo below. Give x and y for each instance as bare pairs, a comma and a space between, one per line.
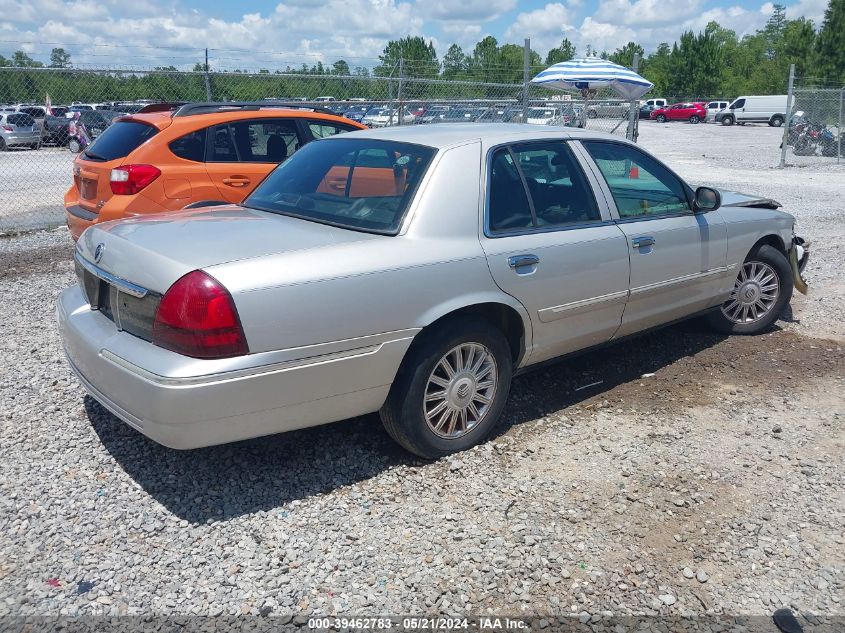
769, 109
713, 108
656, 103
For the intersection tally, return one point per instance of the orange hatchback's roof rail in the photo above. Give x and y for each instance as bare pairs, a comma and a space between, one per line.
211, 107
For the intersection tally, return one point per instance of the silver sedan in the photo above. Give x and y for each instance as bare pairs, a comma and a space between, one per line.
410, 271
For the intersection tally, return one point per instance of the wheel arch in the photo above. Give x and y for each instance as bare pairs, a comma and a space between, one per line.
771, 239
509, 317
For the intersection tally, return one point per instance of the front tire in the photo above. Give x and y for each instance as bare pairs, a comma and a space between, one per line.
727, 121
762, 290
660, 118
74, 146
450, 390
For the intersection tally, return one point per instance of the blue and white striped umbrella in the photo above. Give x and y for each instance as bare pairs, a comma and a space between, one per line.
591, 73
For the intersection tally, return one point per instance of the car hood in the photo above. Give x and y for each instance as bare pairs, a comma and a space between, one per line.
156, 250
736, 199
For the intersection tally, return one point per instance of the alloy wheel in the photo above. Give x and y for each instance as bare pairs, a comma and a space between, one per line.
460, 390
755, 293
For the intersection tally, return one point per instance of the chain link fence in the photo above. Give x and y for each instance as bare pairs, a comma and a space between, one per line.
815, 132
37, 147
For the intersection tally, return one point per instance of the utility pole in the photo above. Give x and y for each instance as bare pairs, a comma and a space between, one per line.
526, 73
207, 78
787, 116
399, 90
633, 107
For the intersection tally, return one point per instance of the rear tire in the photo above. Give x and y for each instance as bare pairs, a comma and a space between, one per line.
74, 146
660, 118
694, 119
762, 291
592, 114
727, 121
776, 121
2, 144
431, 414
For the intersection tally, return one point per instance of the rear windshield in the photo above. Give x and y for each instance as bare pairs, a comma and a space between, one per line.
361, 184
21, 119
118, 140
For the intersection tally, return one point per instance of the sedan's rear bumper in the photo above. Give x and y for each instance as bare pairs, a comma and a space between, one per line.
201, 410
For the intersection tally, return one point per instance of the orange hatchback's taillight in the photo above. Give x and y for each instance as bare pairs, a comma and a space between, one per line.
130, 179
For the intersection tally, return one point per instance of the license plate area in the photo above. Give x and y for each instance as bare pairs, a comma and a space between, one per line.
88, 188
130, 314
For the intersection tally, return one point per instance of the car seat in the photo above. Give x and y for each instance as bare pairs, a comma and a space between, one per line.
277, 148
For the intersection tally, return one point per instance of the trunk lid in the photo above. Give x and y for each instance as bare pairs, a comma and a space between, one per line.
154, 251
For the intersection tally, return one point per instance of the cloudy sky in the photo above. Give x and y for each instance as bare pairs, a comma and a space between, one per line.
154, 32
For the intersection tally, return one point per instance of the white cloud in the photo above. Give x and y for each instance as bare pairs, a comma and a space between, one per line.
645, 12
546, 27
476, 10
602, 36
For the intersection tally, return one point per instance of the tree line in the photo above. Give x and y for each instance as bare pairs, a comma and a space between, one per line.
712, 63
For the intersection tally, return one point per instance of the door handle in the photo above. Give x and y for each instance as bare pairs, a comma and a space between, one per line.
640, 242
236, 181
517, 261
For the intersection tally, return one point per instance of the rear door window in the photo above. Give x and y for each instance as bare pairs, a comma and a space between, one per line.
190, 147
322, 129
119, 140
263, 141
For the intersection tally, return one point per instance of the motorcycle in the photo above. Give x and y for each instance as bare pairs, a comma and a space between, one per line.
814, 139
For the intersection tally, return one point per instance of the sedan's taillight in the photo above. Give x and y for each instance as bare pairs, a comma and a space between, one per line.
130, 179
197, 317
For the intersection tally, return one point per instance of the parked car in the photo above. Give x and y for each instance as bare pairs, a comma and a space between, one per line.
713, 108
55, 130
607, 109
18, 128
769, 109
412, 271
382, 116
356, 113
543, 115
434, 113
203, 153
36, 112
692, 112
646, 110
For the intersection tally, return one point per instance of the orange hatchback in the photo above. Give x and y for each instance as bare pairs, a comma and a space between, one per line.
197, 155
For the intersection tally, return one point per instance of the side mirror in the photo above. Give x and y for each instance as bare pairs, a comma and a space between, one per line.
707, 199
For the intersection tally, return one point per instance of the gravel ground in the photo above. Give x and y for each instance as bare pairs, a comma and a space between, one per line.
701, 475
